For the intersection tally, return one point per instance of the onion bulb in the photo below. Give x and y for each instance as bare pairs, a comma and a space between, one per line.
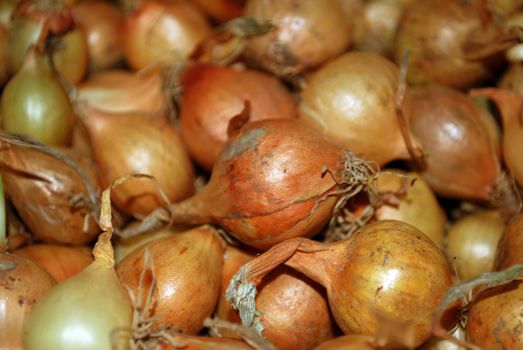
369, 277
307, 34
87, 310
512, 78
70, 55
4, 72
510, 246
221, 10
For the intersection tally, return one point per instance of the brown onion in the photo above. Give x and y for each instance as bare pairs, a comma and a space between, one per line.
443, 344
61, 262
139, 143
472, 241
438, 34
102, 23
275, 179
22, 284
187, 269
370, 277
307, 33
119, 91
188, 342
222, 10
213, 95
461, 159
352, 342
510, 246
352, 99
512, 79
41, 188
162, 32
124, 247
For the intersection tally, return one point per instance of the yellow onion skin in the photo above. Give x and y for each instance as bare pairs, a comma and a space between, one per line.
472, 241
42, 199
461, 160
70, 57
307, 34
35, 104
23, 33
187, 270
495, 320
102, 23
20, 288
440, 344
124, 247
140, 143
213, 95
435, 33
352, 99
162, 32
510, 246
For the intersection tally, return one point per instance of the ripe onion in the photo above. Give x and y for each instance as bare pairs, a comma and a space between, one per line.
139, 143
102, 23
510, 247
369, 277
162, 32
472, 241
352, 99
124, 247
35, 104
275, 179
307, 33
187, 269
352, 342
213, 95
61, 262
188, 342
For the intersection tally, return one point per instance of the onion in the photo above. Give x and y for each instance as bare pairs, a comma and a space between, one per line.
512, 79
102, 22
369, 277
70, 56
509, 104
352, 342
139, 143
84, 311
162, 32
510, 246
124, 247
35, 104
4, 72
41, 188
352, 99
275, 179
442, 344
440, 36
503, 7
205, 343
187, 269
60, 262
213, 95
222, 10
119, 91
308, 33
461, 157
472, 241
418, 207
7, 8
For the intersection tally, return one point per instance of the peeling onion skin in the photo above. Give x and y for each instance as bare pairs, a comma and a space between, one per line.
20, 288
308, 33
510, 246
213, 95
187, 269
495, 320
352, 100
461, 143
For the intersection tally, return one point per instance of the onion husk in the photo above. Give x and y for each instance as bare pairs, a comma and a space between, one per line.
510, 246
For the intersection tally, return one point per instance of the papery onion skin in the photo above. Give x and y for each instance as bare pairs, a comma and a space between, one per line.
102, 22
20, 288
352, 99
213, 95
187, 270
307, 34
162, 32
61, 262
510, 246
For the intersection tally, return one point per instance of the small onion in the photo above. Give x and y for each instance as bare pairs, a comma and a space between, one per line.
307, 34
213, 95
510, 246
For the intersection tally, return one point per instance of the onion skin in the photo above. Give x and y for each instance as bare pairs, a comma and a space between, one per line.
494, 320
472, 241
352, 342
352, 99
102, 23
510, 246
205, 343
187, 269
461, 142
119, 91
61, 262
71, 56
512, 79
4, 73
213, 95
307, 34
221, 10
139, 143
162, 32
20, 288
22, 35
124, 247
436, 43
40, 187
7, 8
